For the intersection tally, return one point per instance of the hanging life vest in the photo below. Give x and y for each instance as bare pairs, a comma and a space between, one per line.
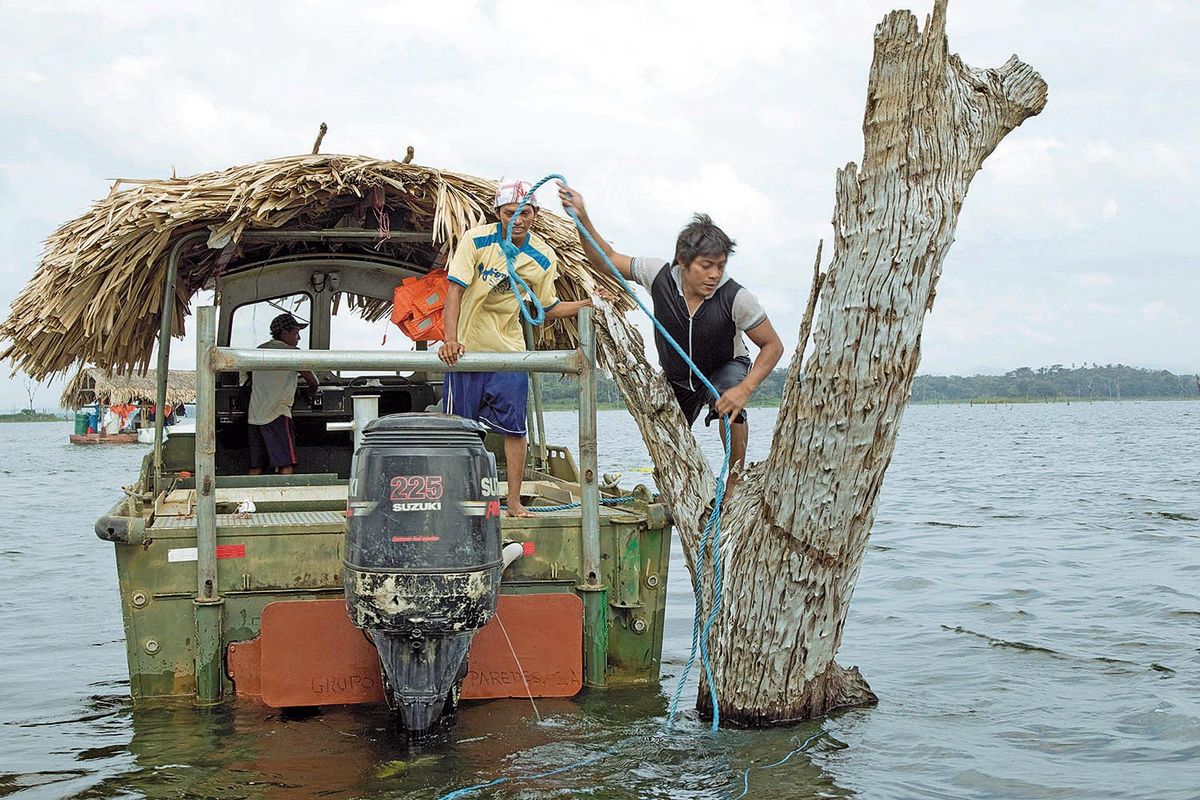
417, 305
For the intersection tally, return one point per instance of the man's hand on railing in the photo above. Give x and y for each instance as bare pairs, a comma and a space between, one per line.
450, 351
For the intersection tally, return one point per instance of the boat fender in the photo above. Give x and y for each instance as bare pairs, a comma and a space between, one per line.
119, 528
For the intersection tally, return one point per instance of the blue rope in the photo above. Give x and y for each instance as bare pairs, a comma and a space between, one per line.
466, 790
463, 792
780, 762
604, 501
712, 530
701, 625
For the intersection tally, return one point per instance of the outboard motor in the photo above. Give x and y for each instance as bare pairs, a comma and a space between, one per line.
423, 561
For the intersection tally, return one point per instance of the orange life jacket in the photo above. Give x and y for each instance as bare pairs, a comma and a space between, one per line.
417, 305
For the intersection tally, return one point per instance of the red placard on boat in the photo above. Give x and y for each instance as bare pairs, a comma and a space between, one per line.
546, 631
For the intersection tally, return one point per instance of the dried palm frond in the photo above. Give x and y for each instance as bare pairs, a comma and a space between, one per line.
96, 296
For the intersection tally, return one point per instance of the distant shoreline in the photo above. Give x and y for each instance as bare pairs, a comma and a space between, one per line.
1012, 401
978, 401
31, 418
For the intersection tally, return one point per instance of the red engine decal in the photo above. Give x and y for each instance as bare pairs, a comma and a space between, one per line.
493, 509
416, 487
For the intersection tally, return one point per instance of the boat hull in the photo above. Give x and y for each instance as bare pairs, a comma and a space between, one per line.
281, 556
103, 438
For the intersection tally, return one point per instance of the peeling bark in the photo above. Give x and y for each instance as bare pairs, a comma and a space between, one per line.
795, 529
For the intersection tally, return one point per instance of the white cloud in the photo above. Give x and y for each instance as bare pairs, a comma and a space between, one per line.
735, 203
654, 111
1170, 160
1025, 162
1094, 280
1153, 311
1097, 152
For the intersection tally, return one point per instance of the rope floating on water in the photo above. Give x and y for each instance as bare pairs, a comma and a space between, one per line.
780, 762
466, 790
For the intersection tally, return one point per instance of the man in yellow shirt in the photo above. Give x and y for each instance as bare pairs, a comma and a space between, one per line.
482, 316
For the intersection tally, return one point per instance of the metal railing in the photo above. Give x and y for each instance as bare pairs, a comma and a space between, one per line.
166, 321
211, 359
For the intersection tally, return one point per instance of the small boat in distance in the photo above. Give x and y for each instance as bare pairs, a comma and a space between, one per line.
120, 408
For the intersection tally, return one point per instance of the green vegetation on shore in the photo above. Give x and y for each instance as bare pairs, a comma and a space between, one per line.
31, 416
1025, 385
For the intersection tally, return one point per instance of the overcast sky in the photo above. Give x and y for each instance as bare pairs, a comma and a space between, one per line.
1077, 242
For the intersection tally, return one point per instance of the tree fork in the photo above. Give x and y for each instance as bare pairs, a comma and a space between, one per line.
795, 528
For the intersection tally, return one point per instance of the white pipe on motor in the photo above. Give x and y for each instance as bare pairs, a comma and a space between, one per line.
511, 552
366, 408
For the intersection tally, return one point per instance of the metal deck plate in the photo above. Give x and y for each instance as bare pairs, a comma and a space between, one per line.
296, 520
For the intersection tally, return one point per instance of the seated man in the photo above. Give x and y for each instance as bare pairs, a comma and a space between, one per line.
481, 315
272, 438
706, 312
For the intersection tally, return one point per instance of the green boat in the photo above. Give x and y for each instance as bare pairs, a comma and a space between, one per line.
234, 586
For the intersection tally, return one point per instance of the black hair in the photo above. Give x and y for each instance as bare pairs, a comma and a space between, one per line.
701, 237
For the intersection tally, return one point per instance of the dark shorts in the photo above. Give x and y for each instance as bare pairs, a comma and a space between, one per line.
496, 400
273, 444
725, 377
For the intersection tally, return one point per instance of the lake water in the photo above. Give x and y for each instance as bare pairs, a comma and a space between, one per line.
1028, 613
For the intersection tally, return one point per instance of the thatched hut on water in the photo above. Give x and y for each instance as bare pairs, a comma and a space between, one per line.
92, 384
97, 293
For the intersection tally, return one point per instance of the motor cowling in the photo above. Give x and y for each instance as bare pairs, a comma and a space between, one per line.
422, 557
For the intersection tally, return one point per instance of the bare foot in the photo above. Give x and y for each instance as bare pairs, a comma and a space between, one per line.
518, 510
731, 483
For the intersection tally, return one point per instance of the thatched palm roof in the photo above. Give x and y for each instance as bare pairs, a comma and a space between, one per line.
96, 295
92, 383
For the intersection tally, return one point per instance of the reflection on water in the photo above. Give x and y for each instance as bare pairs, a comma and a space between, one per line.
247, 751
1027, 613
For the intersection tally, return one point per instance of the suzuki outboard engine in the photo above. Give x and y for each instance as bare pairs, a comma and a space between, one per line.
422, 564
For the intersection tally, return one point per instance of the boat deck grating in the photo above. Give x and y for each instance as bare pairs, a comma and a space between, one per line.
272, 519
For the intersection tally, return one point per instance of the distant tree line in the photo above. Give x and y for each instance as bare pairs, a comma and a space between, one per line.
1026, 384
1085, 382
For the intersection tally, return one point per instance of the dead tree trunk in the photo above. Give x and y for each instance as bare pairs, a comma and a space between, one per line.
795, 530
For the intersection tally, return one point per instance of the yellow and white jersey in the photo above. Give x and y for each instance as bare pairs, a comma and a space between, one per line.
489, 320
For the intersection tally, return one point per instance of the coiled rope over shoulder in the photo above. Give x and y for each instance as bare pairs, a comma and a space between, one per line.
515, 282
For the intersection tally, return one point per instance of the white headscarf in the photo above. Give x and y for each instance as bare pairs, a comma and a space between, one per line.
513, 192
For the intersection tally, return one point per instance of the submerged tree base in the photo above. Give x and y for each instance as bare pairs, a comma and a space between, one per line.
837, 689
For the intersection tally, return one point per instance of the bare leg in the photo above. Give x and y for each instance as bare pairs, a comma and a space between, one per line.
254, 471
737, 450
288, 470
514, 454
